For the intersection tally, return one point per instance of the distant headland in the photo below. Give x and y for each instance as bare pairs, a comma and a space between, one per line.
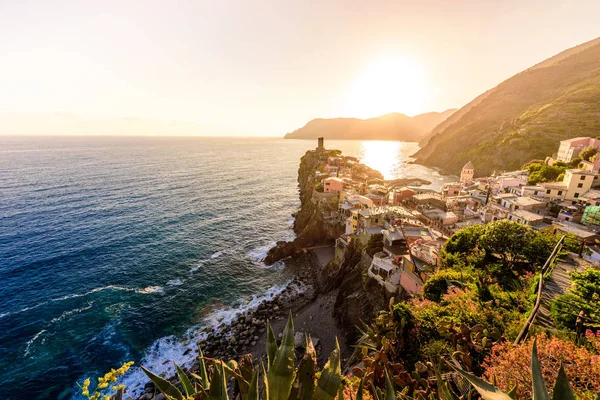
393, 126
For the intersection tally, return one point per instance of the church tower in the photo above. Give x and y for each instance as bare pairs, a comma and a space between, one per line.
466, 175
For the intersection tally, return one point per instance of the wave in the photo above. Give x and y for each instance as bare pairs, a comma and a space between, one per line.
146, 290
175, 282
217, 254
53, 321
32, 340
160, 355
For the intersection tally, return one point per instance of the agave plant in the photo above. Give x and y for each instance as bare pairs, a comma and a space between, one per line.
281, 380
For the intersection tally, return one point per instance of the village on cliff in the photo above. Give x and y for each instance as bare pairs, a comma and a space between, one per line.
415, 221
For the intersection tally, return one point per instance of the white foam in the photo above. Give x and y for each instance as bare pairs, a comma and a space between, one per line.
146, 290
160, 355
197, 266
32, 340
217, 254
175, 282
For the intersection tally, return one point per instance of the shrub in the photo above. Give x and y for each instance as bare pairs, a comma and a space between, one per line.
510, 365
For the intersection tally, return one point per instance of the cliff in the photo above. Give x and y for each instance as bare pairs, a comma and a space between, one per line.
310, 226
358, 297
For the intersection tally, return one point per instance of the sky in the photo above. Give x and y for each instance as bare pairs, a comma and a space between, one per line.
263, 68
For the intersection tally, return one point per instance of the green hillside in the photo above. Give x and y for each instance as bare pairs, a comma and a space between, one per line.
523, 118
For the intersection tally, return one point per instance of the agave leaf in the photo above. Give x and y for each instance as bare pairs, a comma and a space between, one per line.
243, 385
340, 395
562, 388
444, 392
306, 372
486, 390
271, 345
246, 367
390, 394
359, 392
185, 381
253, 388
377, 395
265, 381
539, 386
218, 387
281, 372
204, 382
331, 377
166, 387
513, 392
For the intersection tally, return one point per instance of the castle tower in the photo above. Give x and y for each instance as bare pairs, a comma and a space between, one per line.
321, 144
466, 175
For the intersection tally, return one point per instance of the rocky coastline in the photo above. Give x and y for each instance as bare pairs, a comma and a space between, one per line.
318, 295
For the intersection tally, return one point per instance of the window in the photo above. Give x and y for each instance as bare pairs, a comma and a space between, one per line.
580, 185
576, 195
559, 192
548, 191
582, 178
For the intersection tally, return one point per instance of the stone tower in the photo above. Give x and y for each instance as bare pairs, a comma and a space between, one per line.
321, 144
466, 175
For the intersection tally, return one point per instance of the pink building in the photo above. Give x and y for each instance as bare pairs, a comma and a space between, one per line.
333, 185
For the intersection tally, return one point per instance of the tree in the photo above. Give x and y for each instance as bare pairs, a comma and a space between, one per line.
588, 153
506, 240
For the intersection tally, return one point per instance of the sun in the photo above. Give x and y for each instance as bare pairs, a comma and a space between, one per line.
389, 84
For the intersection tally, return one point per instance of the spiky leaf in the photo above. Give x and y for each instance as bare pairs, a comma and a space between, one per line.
359, 392
218, 387
331, 377
204, 382
486, 390
539, 386
306, 372
281, 372
253, 388
390, 394
562, 388
185, 381
271, 345
163, 385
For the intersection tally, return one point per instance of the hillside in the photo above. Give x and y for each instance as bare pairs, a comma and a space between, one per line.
523, 118
394, 126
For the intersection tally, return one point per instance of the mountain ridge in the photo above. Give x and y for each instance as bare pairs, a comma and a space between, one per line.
391, 126
522, 118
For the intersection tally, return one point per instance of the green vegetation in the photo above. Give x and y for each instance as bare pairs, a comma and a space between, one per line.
587, 153
584, 297
522, 118
432, 346
375, 244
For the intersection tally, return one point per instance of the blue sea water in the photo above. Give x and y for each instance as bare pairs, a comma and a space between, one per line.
118, 249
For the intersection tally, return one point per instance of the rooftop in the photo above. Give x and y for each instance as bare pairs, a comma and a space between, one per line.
554, 185
580, 172
527, 215
575, 139
528, 201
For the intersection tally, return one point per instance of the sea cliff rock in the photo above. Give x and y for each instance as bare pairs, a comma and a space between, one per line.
310, 226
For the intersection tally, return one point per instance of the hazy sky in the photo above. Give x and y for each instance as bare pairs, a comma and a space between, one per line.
265, 67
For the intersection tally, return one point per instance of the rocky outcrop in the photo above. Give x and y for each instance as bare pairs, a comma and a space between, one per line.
309, 225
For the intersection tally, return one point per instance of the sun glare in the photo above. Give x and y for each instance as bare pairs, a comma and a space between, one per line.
391, 84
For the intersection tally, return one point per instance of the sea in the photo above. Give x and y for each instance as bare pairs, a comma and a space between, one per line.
116, 249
